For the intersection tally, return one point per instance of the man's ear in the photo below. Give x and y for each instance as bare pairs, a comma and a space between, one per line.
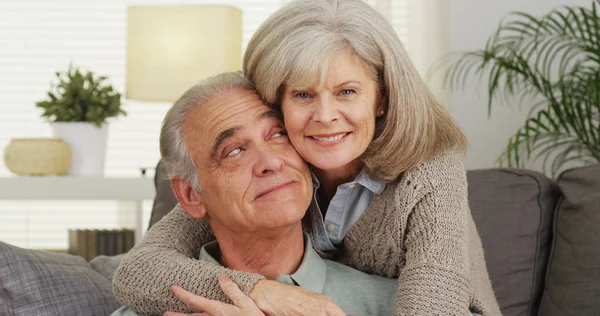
189, 199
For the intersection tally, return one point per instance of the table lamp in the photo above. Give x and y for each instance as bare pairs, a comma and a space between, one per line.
170, 48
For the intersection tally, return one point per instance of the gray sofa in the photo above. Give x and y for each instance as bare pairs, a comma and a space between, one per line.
541, 239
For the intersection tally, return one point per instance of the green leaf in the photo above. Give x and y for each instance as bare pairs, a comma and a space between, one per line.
552, 65
81, 96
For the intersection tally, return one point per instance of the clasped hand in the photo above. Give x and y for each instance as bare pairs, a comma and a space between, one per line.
266, 298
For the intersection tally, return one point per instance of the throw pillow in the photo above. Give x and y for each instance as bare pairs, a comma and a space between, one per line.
573, 281
43, 283
513, 211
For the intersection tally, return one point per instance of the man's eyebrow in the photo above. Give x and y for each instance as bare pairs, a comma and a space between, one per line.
228, 133
271, 114
224, 135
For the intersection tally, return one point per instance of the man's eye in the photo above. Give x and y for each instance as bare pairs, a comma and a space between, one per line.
302, 95
348, 92
234, 152
279, 134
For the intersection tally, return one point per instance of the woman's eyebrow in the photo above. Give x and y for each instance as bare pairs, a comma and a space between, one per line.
271, 114
348, 82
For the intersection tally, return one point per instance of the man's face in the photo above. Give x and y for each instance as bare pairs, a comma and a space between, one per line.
252, 177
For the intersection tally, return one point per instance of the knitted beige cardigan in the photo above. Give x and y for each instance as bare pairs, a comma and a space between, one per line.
419, 230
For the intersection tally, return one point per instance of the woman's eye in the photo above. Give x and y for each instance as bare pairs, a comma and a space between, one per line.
347, 92
234, 152
301, 95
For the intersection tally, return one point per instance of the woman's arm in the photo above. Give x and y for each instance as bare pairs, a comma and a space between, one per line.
168, 256
435, 278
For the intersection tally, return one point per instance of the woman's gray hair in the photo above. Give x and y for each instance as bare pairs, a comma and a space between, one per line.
175, 154
296, 43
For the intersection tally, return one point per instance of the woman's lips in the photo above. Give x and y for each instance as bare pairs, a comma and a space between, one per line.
329, 138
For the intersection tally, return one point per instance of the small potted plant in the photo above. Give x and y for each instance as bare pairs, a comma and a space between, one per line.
78, 106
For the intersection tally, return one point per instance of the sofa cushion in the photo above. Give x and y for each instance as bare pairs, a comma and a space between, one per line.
43, 283
573, 282
106, 265
164, 200
513, 211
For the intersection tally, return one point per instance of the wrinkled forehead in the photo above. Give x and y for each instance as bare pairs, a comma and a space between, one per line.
231, 109
237, 108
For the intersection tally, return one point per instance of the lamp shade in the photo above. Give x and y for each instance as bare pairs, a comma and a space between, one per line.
170, 48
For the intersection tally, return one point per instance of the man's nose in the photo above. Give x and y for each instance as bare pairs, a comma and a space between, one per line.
268, 160
326, 111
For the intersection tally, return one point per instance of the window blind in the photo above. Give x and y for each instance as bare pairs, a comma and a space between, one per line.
40, 37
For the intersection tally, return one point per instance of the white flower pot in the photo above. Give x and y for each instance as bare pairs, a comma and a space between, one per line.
88, 145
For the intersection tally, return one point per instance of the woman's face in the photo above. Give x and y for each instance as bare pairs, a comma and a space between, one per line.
332, 124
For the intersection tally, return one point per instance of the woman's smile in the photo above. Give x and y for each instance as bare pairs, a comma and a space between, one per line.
329, 139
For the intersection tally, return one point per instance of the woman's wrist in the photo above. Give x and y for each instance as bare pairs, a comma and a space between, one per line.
274, 298
259, 293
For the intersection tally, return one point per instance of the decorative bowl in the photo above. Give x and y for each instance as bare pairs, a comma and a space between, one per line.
37, 156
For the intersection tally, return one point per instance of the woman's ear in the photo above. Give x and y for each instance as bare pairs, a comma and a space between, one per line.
382, 100
380, 108
189, 199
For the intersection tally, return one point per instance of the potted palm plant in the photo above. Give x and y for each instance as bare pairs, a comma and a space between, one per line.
78, 106
552, 65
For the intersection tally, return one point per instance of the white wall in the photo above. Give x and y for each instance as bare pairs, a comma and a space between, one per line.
471, 23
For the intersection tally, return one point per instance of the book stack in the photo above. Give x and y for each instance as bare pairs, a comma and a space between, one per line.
90, 243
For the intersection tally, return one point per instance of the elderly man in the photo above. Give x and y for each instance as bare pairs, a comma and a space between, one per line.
248, 181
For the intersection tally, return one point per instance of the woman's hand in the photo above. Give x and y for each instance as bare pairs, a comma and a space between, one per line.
274, 298
266, 297
243, 304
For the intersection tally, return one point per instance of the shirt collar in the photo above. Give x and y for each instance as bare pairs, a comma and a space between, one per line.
312, 271
310, 275
365, 180
362, 178
316, 182
210, 252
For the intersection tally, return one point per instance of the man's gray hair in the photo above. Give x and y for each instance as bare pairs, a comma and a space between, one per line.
175, 154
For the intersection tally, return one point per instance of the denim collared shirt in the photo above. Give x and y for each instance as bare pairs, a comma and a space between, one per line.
350, 201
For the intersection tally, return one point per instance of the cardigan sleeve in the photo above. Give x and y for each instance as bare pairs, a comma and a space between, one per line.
435, 277
166, 256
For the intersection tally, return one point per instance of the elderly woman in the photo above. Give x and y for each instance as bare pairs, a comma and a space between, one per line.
390, 189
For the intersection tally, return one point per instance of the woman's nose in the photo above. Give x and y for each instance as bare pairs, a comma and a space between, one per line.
325, 112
